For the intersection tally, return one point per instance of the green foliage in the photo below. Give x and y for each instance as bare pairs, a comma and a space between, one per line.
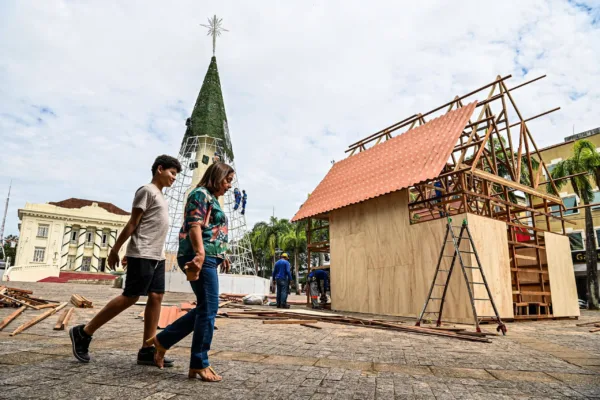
209, 117
8, 250
270, 239
585, 159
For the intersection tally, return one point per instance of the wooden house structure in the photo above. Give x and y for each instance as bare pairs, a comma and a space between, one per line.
380, 213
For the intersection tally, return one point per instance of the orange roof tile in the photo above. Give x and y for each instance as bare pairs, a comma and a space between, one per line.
412, 157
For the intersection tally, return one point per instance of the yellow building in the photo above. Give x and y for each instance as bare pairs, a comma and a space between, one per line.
552, 155
72, 234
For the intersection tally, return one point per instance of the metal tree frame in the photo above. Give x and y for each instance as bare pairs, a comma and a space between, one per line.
240, 250
491, 172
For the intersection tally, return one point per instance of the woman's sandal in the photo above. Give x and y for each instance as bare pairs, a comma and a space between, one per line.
159, 354
206, 378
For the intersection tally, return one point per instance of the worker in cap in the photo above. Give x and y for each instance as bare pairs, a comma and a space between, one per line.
282, 275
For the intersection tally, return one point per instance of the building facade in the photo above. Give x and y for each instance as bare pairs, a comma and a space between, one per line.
552, 155
75, 234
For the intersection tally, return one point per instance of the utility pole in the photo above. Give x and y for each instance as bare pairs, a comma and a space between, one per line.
4, 218
4, 221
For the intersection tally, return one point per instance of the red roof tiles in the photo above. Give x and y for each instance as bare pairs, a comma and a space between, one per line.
79, 203
412, 157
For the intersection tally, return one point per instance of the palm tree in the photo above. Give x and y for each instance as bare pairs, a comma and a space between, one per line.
269, 235
294, 240
586, 159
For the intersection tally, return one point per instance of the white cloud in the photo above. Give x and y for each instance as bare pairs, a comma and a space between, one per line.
301, 81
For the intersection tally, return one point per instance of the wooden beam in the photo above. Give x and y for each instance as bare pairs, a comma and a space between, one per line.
11, 317
526, 189
290, 321
19, 301
37, 319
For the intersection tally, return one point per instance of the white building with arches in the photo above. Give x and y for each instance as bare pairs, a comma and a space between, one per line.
69, 235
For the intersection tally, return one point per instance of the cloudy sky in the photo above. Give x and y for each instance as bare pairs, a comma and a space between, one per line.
92, 91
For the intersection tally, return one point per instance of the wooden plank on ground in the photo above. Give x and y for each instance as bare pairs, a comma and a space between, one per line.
311, 326
46, 306
60, 321
11, 317
291, 321
80, 301
19, 301
68, 317
225, 303
37, 319
588, 323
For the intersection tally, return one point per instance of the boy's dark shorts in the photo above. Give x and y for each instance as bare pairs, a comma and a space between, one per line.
144, 276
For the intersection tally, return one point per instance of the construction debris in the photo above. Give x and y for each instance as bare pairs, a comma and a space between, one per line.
168, 315
311, 317
593, 323
37, 319
63, 319
13, 297
291, 321
12, 316
80, 301
311, 326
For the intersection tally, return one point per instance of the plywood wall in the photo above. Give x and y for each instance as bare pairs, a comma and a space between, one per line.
562, 276
381, 264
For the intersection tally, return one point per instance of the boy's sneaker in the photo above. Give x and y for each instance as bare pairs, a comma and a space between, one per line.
146, 357
81, 343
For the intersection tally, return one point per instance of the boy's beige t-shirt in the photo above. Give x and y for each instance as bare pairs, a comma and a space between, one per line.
148, 240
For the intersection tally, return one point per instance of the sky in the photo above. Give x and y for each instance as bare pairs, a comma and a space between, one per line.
92, 91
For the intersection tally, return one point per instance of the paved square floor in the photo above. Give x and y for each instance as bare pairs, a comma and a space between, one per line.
536, 360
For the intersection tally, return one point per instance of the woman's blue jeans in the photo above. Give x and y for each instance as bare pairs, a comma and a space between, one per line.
200, 320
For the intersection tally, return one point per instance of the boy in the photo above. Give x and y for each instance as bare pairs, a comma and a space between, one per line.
147, 227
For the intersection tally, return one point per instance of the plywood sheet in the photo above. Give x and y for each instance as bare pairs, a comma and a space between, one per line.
491, 241
562, 276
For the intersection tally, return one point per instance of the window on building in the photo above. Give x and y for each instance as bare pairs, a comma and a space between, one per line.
576, 240
39, 253
71, 262
86, 263
569, 202
43, 230
89, 238
74, 236
596, 200
102, 264
104, 239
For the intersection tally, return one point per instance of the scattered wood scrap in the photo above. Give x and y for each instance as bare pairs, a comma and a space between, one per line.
63, 319
13, 297
311, 326
593, 323
11, 317
290, 321
306, 316
80, 301
37, 319
595, 330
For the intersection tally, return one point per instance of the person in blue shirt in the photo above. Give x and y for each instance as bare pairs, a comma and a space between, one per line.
238, 198
244, 200
438, 195
282, 274
319, 284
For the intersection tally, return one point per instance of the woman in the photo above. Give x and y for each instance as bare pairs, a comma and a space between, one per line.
202, 246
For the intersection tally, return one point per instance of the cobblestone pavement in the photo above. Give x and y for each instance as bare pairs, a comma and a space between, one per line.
536, 360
